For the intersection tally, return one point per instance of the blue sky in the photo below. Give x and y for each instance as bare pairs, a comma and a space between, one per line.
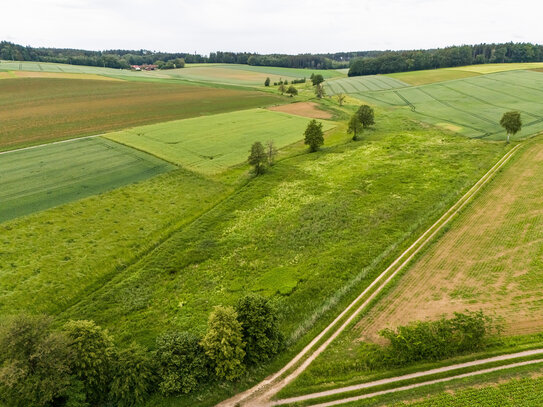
268, 26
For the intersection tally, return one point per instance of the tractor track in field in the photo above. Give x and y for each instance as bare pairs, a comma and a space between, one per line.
262, 393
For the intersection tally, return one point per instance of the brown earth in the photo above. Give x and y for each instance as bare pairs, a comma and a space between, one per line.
306, 109
37, 110
490, 259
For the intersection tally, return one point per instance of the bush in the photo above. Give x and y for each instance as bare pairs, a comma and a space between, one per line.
182, 363
91, 360
133, 375
223, 343
260, 328
434, 340
34, 367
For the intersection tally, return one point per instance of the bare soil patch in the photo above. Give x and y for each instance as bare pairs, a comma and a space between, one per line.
306, 109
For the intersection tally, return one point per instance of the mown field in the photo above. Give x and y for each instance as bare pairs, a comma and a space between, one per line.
38, 110
213, 143
472, 106
48, 176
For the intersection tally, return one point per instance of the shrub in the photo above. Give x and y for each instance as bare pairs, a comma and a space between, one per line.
292, 91
133, 375
259, 328
182, 363
91, 358
223, 343
434, 340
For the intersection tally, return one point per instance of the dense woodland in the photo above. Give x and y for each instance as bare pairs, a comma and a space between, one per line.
361, 63
401, 61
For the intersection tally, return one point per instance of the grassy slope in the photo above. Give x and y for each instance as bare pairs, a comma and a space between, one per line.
53, 259
211, 144
48, 176
37, 110
300, 232
472, 106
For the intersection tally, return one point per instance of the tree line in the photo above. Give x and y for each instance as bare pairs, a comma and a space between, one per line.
402, 61
79, 365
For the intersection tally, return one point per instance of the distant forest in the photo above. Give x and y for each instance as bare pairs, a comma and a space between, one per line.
401, 61
359, 63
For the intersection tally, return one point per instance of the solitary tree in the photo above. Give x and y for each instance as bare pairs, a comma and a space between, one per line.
267, 82
223, 343
341, 99
258, 157
292, 91
511, 122
271, 152
365, 115
314, 137
317, 79
319, 91
282, 88
355, 126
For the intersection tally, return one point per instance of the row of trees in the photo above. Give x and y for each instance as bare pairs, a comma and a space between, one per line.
400, 61
81, 366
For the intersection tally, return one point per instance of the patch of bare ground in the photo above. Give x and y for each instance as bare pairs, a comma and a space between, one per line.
490, 259
306, 109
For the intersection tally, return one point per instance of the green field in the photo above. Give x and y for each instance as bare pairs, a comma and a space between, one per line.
48, 176
38, 110
211, 144
362, 84
472, 106
234, 74
432, 76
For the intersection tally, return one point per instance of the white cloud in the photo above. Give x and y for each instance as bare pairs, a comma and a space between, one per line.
270, 26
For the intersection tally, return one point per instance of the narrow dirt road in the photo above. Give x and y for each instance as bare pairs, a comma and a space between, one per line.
419, 374
261, 394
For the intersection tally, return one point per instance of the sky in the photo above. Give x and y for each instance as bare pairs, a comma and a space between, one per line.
268, 26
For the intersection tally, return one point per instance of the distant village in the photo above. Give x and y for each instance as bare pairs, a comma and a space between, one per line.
144, 67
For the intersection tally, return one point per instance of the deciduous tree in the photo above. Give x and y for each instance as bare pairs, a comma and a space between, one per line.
366, 115
511, 122
355, 126
292, 91
258, 157
314, 136
223, 343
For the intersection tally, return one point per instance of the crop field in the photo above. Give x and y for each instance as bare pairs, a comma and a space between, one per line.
472, 106
305, 109
38, 110
211, 144
431, 76
493, 68
362, 84
233, 74
51, 175
489, 259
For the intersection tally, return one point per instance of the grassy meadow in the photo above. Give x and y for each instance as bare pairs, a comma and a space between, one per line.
214, 143
39, 110
51, 175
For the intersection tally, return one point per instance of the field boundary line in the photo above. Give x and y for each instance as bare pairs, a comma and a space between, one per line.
49, 144
414, 375
277, 381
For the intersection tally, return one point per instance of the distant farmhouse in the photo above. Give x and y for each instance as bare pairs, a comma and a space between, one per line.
143, 67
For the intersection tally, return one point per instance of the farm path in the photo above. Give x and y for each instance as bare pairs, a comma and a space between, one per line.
390, 380
262, 393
